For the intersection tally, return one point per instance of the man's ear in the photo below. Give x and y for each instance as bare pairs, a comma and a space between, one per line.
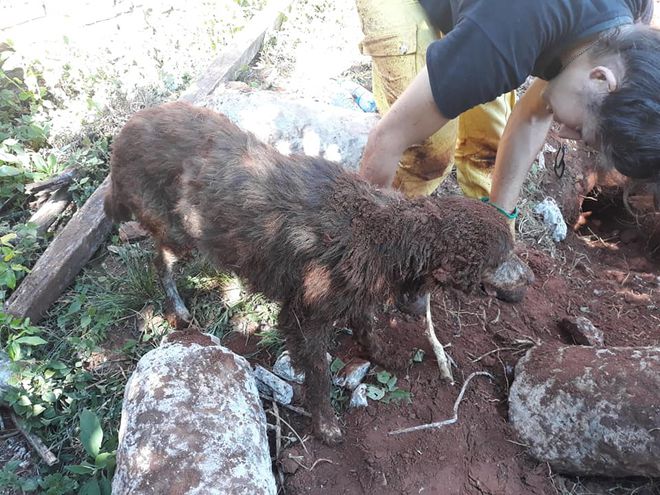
606, 75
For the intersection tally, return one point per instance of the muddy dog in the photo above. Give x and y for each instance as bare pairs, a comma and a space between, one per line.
320, 240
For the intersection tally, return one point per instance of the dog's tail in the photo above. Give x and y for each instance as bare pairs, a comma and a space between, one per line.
117, 210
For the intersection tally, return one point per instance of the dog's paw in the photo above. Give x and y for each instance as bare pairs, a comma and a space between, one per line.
328, 431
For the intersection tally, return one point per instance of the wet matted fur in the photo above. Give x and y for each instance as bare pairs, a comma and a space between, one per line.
320, 240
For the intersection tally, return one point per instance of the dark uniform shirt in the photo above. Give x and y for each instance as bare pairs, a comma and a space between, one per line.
491, 46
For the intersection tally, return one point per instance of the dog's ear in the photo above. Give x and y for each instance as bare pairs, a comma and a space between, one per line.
460, 273
442, 276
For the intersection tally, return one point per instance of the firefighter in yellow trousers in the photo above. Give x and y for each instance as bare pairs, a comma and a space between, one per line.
444, 72
397, 34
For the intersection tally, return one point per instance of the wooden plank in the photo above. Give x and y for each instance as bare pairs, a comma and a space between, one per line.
63, 259
240, 53
86, 231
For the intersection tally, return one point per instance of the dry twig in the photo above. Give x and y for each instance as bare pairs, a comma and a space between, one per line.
278, 443
278, 431
446, 421
295, 459
295, 409
294, 432
43, 451
440, 355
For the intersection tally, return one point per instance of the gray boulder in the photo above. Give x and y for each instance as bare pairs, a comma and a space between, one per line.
293, 125
5, 373
589, 411
192, 423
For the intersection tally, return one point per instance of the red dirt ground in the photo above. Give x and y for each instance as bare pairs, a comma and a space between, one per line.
612, 281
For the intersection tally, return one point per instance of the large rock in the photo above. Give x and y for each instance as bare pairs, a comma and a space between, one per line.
5, 373
293, 125
192, 423
589, 411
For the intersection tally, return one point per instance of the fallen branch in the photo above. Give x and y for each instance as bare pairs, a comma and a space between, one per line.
440, 355
447, 421
54, 183
43, 451
12, 433
62, 260
50, 210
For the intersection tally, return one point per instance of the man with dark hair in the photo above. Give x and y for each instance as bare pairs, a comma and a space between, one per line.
442, 70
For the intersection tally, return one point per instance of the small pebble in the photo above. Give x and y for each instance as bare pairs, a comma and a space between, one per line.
272, 385
284, 369
359, 397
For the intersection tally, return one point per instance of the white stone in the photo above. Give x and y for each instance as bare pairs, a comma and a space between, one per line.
272, 385
352, 374
552, 218
284, 369
359, 397
192, 422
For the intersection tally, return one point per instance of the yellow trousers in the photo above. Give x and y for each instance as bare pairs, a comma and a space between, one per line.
396, 36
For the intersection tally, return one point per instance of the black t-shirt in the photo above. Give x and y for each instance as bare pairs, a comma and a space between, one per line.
491, 46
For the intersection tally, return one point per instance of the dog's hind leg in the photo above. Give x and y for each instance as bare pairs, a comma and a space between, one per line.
308, 340
176, 311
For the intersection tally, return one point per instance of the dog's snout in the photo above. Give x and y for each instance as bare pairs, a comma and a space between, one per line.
508, 281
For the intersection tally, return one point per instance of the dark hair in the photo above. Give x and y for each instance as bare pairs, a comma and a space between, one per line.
629, 118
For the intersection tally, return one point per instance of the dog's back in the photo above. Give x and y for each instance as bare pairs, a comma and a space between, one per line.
194, 179
149, 157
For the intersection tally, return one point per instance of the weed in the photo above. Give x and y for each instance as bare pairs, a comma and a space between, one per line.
10, 479
102, 463
338, 396
387, 391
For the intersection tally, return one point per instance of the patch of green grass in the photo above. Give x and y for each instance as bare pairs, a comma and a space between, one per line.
271, 340
53, 384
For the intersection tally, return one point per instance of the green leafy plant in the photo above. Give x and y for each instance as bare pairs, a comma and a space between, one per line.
57, 484
16, 249
10, 479
338, 396
23, 128
387, 391
99, 466
20, 337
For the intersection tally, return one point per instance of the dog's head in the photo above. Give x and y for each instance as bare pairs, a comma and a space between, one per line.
476, 249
